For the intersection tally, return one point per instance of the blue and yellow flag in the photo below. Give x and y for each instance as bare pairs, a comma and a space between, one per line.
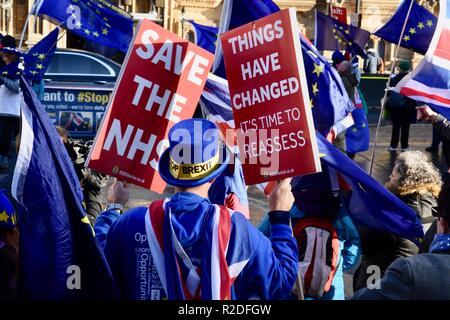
205, 36
419, 27
94, 20
332, 34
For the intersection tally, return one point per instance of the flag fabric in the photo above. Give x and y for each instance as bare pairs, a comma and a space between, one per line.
60, 258
419, 29
205, 36
38, 58
229, 188
430, 81
236, 13
357, 137
35, 61
329, 99
332, 34
215, 277
94, 20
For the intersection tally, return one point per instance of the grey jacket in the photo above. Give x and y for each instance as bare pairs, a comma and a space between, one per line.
421, 277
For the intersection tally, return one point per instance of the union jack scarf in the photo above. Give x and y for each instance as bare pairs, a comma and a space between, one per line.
180, 279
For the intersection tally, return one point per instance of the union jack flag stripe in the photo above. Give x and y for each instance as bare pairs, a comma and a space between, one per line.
430, 81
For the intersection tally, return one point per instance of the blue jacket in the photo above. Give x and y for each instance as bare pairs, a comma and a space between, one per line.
269, 274
349, 246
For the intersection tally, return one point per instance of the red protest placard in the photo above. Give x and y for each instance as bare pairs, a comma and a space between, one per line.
270, 100
160, 84
339, 14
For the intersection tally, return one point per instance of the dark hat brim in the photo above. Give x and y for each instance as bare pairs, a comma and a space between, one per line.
165, 174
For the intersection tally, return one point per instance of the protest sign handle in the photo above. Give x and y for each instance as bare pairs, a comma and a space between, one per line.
383, 103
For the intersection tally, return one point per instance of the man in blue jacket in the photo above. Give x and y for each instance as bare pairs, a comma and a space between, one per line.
423, 276
187, 248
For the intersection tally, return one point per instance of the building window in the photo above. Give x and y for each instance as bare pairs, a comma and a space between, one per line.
142, 6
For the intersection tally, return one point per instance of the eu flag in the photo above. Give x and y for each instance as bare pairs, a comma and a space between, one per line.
38, 58
430, 81
59, 256
332, 34
419, 27
329, 99
205, 36
94, 20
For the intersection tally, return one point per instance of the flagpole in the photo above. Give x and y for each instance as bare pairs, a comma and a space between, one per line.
34, 8
383, 104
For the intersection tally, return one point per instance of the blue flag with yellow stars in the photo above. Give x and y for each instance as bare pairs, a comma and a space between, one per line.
38, 58
329, 100
205, 36
94, 20
419, 27
7, 214
332, 34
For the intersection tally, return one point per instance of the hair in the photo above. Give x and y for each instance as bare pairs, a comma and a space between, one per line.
63, 133
10, 237
345, 66
417, 175
444, 203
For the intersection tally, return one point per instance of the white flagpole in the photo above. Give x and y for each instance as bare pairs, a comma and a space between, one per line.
388, 86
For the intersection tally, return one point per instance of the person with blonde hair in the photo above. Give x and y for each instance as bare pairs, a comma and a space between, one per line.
417, 182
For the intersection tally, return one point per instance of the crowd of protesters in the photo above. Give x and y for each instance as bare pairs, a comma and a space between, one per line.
307, 242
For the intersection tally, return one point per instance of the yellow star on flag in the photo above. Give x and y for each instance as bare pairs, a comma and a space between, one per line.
336, 37
75, 1
406, 38
34, 72
105, 31
95, 34
420, 25
41, 56
347, 32
312, 104
318, 69
314, 88
339, 40
4, 217
105, 18
350, 43
97, 11
4, 73
429, 23
39, 66
87, 31
78, 25
412, 30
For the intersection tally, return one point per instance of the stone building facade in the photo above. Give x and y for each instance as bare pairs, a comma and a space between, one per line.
172, 13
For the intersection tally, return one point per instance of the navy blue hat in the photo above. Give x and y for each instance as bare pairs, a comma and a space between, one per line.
8, 41
337, 57
7, 215
195, 155
15, 51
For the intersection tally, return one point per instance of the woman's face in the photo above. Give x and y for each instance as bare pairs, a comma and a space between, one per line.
394, 177
8, 58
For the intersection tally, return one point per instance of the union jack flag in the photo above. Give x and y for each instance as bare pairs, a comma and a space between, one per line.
430, 81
